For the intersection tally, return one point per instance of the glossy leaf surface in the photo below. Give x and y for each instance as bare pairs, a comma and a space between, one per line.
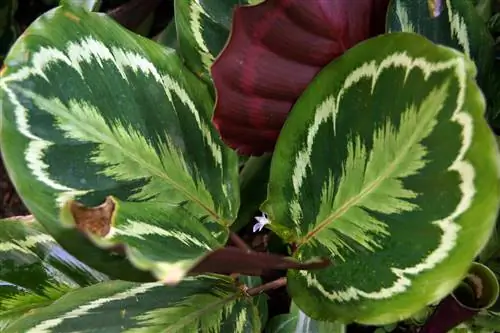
454, 23
30, 258
107, 132
298, 322
203, 27
387, 166
201, 304
275, 50
34, 269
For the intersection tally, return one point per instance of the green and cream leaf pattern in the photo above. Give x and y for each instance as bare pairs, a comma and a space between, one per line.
203, 27
96, 114
386, 166
454, 23
34, 269
205, 304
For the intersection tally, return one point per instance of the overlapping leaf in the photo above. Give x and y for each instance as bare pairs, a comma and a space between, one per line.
298, 322
96, 116
454, 23
34, 269
275, 50
203, 28
386, 165
202, 304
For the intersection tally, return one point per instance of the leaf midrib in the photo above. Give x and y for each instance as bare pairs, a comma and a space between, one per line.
347, 205
148, 166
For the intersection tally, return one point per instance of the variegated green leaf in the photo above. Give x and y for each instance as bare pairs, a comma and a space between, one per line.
298, 322
34, 269
260, 300
16, 302
209, 303
454, 23
203, 28
96, 114
386, 166
31, 259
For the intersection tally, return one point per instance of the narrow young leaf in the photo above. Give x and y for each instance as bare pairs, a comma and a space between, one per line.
386, 166
31, 259
107, 132
204, 304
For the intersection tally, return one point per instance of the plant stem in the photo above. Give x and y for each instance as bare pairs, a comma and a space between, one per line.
240, 243
281, 282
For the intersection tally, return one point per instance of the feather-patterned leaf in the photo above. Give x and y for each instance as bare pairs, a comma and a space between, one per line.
275, 50
34, 269
107, 132
386, 166
208, 303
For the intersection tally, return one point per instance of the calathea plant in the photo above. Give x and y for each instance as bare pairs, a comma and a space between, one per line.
374, 166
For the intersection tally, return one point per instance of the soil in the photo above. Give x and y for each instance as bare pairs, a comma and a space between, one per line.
11, 204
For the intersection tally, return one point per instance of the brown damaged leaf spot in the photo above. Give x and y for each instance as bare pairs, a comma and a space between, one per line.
95, 220
2, 70
72, 17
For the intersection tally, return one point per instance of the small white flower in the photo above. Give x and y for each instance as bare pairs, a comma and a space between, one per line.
261, 222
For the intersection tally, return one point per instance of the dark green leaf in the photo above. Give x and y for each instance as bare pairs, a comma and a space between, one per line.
203, 304
95, 116
386, 166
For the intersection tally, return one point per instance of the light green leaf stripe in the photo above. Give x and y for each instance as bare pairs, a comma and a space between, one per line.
457, 25
207, 303
386, 166
203, 28
34, 269
91, 112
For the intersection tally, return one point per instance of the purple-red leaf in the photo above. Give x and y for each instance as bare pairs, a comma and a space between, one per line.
274, 51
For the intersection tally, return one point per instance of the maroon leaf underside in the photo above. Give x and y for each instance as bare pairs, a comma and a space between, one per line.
274, 51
